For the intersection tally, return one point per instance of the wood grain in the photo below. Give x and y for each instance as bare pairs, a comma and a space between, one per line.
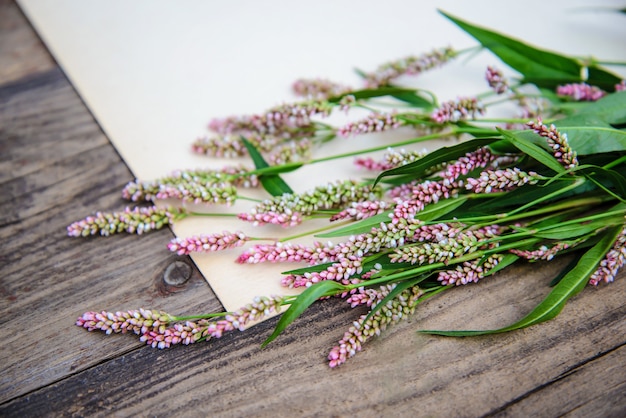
57, 166
64, 169
22, 51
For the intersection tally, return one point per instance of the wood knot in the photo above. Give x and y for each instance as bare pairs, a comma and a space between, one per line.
177, 274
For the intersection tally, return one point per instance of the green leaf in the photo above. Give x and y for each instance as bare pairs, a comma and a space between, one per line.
413, 99
275, 185
585, 135
564, 272
610, 110
257, 158
406, 95
272, 183
528, 193
590, 130
276, 169
569, 231
540, 67
573, 282
610, 179
442, 155
586, 140
534, 151
302, 302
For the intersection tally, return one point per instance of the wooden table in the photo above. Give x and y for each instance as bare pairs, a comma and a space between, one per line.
57, 166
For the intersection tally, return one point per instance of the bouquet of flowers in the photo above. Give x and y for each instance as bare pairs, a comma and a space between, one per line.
548, 182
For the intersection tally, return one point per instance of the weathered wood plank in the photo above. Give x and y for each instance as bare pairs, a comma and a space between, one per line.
62, 171
567, 394
22, 51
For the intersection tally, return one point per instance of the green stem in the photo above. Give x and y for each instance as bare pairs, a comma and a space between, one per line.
614, 163
429, 293
249, 199
566, 189
488, 219
212, 214
203, 316
502, 120
314, 231
384, 147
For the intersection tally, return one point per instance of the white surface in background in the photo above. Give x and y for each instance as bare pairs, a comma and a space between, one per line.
155, 72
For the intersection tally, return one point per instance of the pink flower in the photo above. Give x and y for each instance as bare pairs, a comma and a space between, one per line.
152, 326
364, 328
291, 208
581, 92
390, 160
207, 243
557, 141
491, 181
286, 219
612, 262
458, 110
138, 220
287, 252
411, 65
375, 122
496, 80
137, 321
361, 210
469, 271
318, 88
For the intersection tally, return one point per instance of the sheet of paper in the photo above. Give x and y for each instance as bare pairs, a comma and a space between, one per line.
154, 72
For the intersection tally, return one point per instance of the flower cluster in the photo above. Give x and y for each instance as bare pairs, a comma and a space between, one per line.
612, 262
368, 326
411, 65
543, 252
159, 329
361, 210
277, 120
458, 110
182, 180
496, 80
376, 122
319, 88
138, 321
207, 242
492, 181
137, 220
292, 151
444, 243
558, 142
391, 159
581, 92
280, 252
469, 271
290, 209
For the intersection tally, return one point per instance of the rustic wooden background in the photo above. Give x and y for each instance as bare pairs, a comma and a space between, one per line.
58, 166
